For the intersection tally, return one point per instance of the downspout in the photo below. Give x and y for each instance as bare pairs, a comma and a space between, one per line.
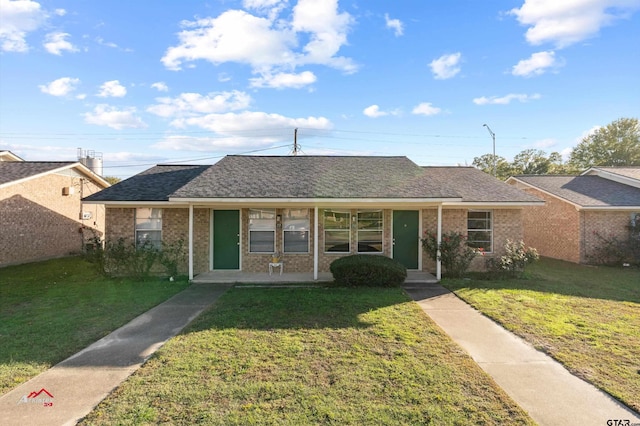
190, 242
315, 243
439, 239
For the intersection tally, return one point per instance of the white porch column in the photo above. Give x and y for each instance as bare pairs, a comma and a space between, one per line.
439, 239
315, 243
190, 242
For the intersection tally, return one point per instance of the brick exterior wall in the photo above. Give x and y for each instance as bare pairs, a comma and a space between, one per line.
120, 223
38, 222
605, 224
507, 224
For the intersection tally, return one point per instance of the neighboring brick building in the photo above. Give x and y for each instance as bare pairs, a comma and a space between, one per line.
311, 209
41, 213
580, 210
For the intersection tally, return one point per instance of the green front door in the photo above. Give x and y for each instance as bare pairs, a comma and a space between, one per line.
406, 238
226, 239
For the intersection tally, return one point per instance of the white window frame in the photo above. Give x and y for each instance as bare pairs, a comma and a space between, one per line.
146, 214
347, 229
489, 230
291, 221
262, 224
380, 230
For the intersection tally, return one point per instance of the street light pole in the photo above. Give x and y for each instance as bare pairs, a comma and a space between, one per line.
493, 136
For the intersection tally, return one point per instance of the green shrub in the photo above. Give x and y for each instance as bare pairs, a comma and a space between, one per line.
368, 270
514, 261
455, 254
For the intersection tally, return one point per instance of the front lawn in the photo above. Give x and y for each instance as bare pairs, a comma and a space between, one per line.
310, 356
588, 318
51, 310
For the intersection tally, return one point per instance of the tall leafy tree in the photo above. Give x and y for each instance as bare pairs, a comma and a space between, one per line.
485, 163
616, 144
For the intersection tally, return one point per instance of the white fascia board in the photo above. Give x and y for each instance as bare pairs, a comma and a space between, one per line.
311, 202
494, 205
163, 204
611, 208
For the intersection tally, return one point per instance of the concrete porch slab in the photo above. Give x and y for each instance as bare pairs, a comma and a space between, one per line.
414, 278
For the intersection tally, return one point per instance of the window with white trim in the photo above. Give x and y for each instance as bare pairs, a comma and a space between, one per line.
295, 230
370, 231
480, 230
148, 227
262, 230
337, 231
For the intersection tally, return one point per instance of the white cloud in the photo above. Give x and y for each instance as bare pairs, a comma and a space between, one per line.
240, 130
446, 66
373, 111
426, 109
537, 64
112, 89
160, 86
189, 104
545, 143
269, 45
18, 19
60, 87
105, 115
284, 80
567, 22
395, 24
60, 12
55, 43
505, 100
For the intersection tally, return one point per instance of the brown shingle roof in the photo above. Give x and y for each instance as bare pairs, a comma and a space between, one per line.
313, 177
476, 186
154, 184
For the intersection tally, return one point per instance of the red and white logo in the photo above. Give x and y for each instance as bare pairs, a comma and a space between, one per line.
42, 396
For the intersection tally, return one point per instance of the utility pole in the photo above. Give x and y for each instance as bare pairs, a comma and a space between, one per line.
295, 141
493, 136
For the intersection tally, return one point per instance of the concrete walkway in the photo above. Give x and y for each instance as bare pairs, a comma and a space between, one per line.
540, 385
70, 390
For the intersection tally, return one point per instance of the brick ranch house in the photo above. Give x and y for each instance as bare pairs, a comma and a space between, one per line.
41, 214
601, 201
311, 209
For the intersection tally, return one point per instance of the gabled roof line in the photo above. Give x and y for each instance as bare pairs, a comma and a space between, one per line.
606, 174
558, 197
67, 165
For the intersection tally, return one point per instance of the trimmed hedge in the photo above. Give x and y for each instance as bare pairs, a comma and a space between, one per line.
361, 270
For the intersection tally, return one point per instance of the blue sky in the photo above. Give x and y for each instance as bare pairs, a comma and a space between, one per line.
147, 82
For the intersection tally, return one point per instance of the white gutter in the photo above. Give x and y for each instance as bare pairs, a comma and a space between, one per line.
315, 201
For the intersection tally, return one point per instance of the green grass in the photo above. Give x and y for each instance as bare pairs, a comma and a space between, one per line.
310, 356
588, 318
50, 310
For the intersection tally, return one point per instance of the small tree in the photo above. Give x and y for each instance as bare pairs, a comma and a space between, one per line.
455, 254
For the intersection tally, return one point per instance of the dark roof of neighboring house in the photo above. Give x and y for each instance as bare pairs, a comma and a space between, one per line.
312, 177
632, 172
15, 170
586, 191
154, 184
